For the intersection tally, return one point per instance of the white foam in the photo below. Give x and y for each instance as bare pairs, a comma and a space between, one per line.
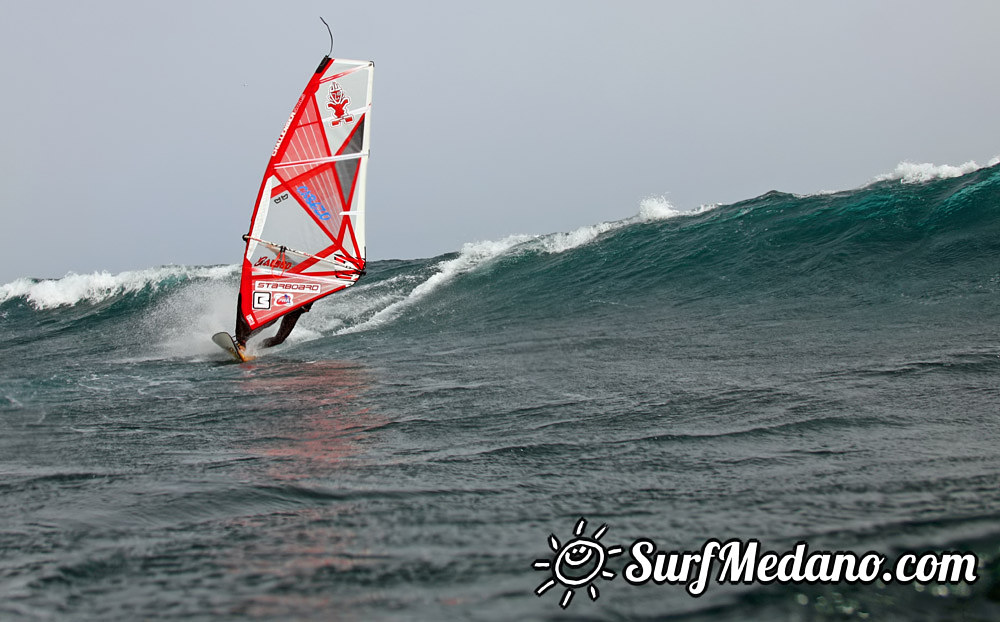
179, 325
650, 209
912, 172
99, 286
350, 306
657, 208
561, 242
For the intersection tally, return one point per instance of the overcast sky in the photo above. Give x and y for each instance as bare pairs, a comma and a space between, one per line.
135, 133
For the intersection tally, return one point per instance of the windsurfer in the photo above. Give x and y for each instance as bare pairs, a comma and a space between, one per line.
312, 197
288, 322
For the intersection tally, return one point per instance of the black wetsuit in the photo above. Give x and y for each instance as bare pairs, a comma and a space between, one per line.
288, 322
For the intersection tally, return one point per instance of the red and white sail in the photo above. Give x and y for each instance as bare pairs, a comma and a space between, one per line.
307, 233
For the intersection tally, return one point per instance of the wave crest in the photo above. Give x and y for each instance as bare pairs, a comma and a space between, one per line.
914, 173
100, 286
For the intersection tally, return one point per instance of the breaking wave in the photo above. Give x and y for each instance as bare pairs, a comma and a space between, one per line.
101, 286
920, 232
913, 173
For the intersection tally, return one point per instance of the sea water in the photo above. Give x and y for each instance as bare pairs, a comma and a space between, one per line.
821, 369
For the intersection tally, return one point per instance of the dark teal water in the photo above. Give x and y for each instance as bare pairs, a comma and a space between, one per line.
822, 368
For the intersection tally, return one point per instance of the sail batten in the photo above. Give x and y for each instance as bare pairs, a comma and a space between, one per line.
307, 233
279, 248
336, 158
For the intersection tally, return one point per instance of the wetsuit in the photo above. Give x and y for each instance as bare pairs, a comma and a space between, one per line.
288, 322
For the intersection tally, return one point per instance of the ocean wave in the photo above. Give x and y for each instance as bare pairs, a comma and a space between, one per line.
472, 255
476, 254
100, 286
776, 242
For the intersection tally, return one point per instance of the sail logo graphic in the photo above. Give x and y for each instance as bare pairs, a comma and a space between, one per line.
577, 564
290, 286
338, 102
276, 263
313, 202
262, 301
283, 300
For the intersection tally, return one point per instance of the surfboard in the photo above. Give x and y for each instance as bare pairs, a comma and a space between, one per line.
307, 230
225, 341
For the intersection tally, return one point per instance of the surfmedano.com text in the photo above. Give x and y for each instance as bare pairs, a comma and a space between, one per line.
743, 562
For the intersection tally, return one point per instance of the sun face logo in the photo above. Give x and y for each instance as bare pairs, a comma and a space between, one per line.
577, 563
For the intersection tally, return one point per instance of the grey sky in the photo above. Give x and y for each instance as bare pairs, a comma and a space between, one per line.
136, 133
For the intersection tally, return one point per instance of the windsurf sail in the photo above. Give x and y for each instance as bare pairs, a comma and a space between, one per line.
307, 232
